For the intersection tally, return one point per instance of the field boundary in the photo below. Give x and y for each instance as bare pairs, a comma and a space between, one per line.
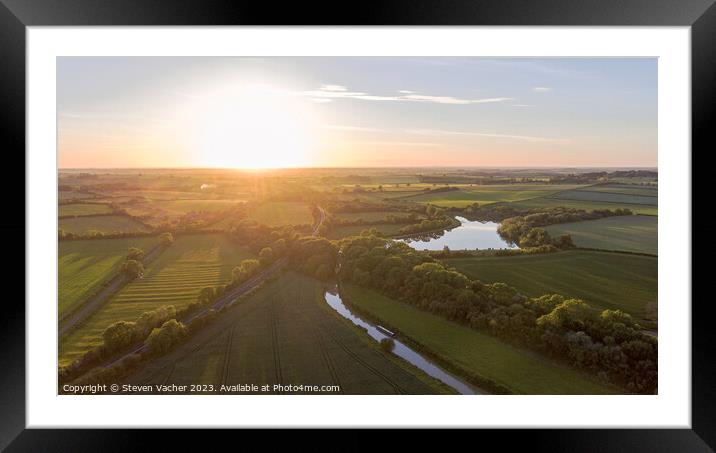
107, 289
483, 383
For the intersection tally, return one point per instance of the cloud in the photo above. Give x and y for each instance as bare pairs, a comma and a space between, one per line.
522, 105
340, 127
541, 89
528, 138
451, 100
398, 143
341, 92
333, 88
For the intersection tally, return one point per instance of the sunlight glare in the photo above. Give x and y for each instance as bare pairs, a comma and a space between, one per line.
254, 127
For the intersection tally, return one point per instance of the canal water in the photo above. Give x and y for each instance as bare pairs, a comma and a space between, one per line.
470, 235
401, 350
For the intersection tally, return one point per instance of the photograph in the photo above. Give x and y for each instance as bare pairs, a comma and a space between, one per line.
357, 225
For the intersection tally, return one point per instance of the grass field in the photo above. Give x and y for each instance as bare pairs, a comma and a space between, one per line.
285, 333
626, 189
279, 213
174, 278
104, 224
355, 230
84, 265
634, 233
603, 279
64, 195
583, 204
81, 209
162, 211
489, 194
607, 197
522, 371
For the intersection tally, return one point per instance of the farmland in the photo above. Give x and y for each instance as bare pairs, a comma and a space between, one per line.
630, 233
467, 195
478, 353
103, 224
174, 278
605, 280
67, 195
282, 213
286, 334
551, 202
81, 209
84, 265
166, 211
606, 197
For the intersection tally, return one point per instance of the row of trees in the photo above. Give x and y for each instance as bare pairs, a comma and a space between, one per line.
525, 230
607, 343
432, 224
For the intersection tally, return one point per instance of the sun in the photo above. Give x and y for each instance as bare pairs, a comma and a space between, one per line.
253, 127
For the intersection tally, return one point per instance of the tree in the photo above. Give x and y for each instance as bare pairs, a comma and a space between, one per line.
135, 253
266, 256
118, 335
245, 270
387, 344
163, 338
207, 294
133, 268
166, 238
565, 242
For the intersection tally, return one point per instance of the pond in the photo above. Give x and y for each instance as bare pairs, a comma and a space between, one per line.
470, 235
401, 350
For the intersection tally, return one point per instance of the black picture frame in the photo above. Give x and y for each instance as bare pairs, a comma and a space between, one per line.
16, 15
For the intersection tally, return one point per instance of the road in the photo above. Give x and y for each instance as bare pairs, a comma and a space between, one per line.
116, 283
233, 294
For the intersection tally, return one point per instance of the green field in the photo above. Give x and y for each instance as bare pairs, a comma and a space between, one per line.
583, 204
285, 333
354, 230
626, 189
607, 197
489, 194
634, 233
80, 209
166, 211
522, 371
104, 224
279, 213
174, 278
84, 265
602, 279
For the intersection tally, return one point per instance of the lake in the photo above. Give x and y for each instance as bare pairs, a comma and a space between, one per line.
470, 235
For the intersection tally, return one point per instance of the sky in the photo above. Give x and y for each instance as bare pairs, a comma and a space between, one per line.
278, 112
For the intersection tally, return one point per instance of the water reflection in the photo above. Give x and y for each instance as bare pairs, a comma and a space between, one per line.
470, 235
401, 350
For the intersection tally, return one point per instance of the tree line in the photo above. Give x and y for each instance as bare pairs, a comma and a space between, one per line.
609, 343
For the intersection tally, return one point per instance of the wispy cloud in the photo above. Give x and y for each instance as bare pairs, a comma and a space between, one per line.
399, 143
341, 127
341, 92
541, 89
528, 138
